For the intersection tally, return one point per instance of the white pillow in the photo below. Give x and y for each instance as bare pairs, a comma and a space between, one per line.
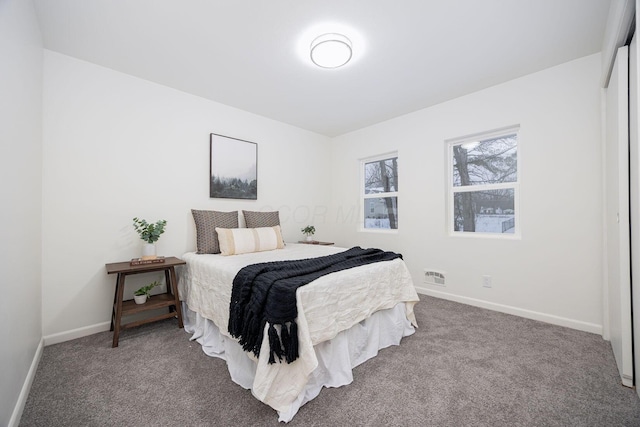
235, 241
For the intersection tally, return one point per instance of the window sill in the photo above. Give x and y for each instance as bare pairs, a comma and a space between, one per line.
378, 230
498, 236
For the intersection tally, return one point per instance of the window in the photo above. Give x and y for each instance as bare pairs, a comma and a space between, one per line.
483, 183
380, 192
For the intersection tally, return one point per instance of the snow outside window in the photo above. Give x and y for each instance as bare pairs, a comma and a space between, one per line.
379, 202
483, 184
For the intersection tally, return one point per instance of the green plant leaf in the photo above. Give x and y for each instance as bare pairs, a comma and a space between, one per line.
149, 232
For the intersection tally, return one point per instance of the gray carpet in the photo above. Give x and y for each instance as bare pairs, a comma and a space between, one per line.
464, 366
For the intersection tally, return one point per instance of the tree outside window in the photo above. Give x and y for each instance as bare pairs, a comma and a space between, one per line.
484, 183
380, 193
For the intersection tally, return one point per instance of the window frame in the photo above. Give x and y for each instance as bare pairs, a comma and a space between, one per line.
363, 196
452, 190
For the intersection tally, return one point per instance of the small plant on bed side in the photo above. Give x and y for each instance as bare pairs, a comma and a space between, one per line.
146, 290
150, 233
309, 230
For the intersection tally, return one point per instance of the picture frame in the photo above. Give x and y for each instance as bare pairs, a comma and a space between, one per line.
233, 168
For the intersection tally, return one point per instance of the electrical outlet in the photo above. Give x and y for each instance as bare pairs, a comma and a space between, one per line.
486, 281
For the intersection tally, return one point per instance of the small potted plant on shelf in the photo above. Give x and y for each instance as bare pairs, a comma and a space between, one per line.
150, 233
144, 293
308, 231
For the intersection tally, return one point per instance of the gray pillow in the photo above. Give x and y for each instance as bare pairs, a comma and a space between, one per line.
261, 219
206, 223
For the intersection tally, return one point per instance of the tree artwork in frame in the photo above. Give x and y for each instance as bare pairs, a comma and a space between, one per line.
233, 172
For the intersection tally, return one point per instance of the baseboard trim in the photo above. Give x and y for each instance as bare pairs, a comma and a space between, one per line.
76, 333
26, 387
529, 314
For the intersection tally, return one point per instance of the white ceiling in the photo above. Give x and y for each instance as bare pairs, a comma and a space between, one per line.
408, 54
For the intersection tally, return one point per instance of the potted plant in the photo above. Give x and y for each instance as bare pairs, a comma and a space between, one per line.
144, 293
150, 233
308, 231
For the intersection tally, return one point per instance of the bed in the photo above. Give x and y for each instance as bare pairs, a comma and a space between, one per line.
344, 318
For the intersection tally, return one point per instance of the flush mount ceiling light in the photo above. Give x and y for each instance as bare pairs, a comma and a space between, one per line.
331, 50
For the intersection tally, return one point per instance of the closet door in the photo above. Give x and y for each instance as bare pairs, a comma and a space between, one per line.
617, 217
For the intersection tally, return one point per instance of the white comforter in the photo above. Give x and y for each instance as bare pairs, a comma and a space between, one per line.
326, 306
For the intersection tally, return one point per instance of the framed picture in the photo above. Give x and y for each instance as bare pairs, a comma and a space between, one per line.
233, 172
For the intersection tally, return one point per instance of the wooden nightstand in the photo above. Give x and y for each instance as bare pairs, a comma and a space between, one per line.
169, 299
315, 242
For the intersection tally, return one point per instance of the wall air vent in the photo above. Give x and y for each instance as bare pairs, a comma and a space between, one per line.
433, 277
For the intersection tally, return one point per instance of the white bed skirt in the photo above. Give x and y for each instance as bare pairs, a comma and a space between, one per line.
336, 358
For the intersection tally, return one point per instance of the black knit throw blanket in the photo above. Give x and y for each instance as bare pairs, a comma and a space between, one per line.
266, 292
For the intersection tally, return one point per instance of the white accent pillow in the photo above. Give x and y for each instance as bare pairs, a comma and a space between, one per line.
235, 241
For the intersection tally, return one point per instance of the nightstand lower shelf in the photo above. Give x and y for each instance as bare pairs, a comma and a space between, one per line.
156, 301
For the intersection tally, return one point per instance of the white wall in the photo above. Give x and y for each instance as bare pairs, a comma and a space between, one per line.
21, 189
554, 271
116, 147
